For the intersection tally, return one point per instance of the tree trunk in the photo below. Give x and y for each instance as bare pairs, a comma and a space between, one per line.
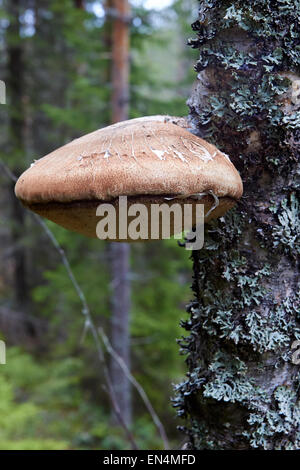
15, 85
120, 60
79, 4
120, 325
120, 252
242, 388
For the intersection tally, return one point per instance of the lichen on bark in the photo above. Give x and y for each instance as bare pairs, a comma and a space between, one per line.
242, 388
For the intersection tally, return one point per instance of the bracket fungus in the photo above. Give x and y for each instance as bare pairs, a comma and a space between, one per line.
152, 161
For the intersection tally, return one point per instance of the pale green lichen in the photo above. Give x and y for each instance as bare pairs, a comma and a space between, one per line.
286, 234
229, 381
273, 428
244, 319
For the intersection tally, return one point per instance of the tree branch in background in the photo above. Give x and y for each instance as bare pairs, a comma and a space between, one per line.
138, 387
90, 325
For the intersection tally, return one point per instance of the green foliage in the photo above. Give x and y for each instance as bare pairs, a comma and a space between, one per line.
22, 422
66, 94
158, 294
44, 406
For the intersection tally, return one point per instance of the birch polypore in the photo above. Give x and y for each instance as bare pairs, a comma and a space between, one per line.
150, 160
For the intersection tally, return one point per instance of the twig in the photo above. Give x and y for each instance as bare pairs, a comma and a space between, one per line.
138, 387
89, 324
8, 172
86, 312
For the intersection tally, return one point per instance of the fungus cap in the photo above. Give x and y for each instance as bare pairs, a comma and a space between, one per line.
147, 159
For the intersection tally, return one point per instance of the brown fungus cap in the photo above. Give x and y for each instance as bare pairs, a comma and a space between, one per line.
149, 160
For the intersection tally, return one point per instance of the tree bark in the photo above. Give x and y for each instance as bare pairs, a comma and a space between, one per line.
120, 60
79, 4
242, 388
15, 85
120, 252
120, 326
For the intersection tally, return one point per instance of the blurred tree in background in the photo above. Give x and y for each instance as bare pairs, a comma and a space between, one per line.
55, 59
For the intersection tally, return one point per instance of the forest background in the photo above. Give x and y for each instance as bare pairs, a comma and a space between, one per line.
56, 57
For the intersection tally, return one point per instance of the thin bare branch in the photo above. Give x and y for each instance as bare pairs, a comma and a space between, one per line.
90, 325
87, 314
138, 387
8, 171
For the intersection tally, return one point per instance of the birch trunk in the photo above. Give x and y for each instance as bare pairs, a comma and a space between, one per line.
242, 388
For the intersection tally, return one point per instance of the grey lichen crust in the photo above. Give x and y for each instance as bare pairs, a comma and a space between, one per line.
242, 388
